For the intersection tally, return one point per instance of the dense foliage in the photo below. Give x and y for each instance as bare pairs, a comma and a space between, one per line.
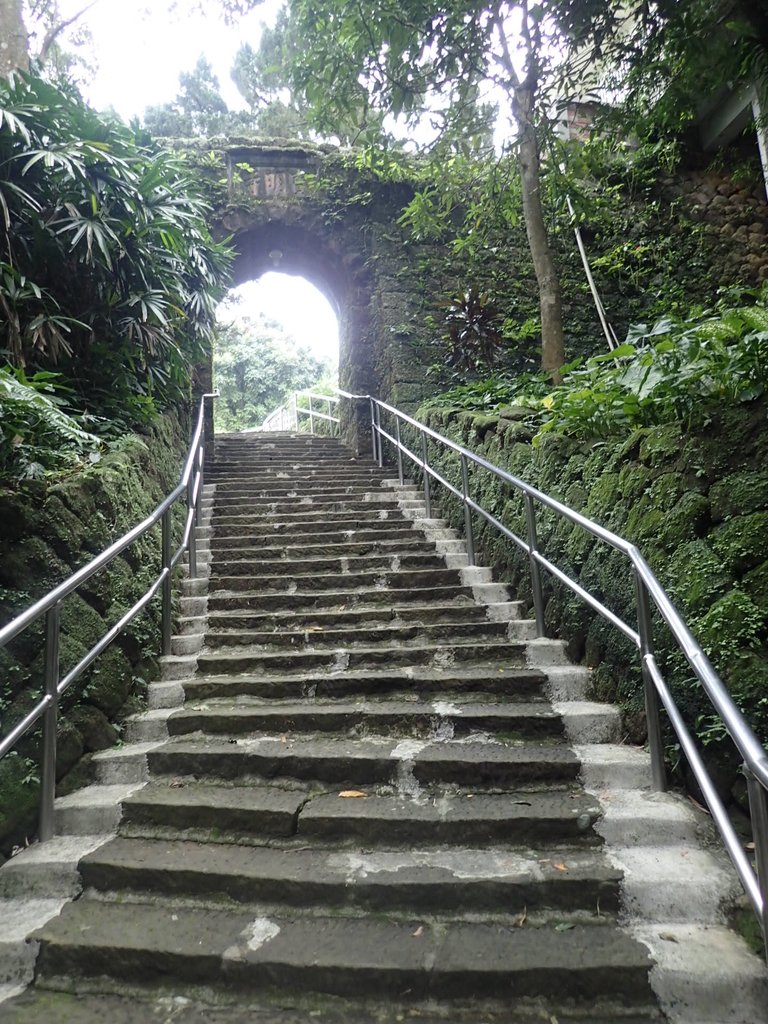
256, 367
677, 370
108, 274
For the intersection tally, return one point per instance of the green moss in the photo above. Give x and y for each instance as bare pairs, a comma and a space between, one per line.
695, 575
738, 494
742, 542
19, 795
732, 625
687, 520
660, 445
755, 583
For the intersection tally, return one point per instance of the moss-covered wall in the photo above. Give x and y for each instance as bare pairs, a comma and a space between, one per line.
657, 241
697, 507
48, 532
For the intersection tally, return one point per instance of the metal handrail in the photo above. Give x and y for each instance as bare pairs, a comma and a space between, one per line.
649, 591
286, 416
190, 485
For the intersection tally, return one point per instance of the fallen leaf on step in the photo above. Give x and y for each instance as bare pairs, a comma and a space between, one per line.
353, 794
749, 846
558, 866
519, 919
696, 803
564, 926
668, 937
176, 784
283, 738
419, 932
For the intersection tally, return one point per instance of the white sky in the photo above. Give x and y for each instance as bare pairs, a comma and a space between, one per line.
139, 55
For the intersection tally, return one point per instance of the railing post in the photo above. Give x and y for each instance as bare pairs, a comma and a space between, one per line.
468, 529
400, 475
652, 706
311, 416
378, 434
295, 408
374, 437
50, 723
427, 488
166, 587
192, 537
533, 547
758, 812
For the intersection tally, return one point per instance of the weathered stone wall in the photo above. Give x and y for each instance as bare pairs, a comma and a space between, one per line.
696, 505
48, 533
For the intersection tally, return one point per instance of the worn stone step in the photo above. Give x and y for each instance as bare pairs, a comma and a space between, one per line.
150, 1003
235, 565
363, 597
354, 635
284, 490
438, 882
282, 520
380, 716
221, 621
416, 682
368, 761
508, 653
370, 505
155, 942
299, 531
374, 579
268, 546
270, 813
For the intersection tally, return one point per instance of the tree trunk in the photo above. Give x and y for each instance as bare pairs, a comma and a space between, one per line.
13, 38
552, 343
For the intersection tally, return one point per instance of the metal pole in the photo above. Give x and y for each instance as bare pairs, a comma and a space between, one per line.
295, 407
373, 432
400, 475
378, 434
166, 587
427, 489
758, 812
533, 547
311, 416
50, 722
652, 705
468, 529
192, 537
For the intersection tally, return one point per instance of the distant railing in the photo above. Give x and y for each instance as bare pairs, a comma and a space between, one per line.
190, 487
303, 411
648, 593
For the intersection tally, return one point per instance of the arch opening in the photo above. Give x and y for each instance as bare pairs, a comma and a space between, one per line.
279, 333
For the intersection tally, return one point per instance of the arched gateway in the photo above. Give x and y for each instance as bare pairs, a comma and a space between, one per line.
278, 219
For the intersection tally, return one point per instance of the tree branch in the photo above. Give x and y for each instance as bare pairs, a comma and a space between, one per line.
55, 31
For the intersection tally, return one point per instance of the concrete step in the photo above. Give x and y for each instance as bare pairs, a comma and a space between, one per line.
373, 760
429, 881
508, 653
398, 542
412, 682
352, 636
233, 564
148, 942
406, 718
221, 621
363, 597
381, 579
304, 530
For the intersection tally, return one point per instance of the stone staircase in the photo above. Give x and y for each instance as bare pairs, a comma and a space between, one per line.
359, 795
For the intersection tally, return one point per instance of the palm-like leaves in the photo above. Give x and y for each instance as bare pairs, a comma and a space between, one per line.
107, 263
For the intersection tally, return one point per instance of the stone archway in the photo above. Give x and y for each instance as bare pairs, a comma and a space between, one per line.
275, 224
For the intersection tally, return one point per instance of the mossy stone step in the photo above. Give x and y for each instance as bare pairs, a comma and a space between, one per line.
508, 653
379, 716
374, 760
407, 541
234, 565
221, 621
153, 942
300, 531
416, 683
375, 579
360, 598
353, 635
437, 882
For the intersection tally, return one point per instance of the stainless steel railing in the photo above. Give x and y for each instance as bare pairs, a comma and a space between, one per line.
649, 594
289, 416
189, 487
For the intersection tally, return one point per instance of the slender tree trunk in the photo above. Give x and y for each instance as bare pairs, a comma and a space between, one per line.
522, 91
552, 341
13, 38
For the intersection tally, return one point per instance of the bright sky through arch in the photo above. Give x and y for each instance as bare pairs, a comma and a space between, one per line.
294, 302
